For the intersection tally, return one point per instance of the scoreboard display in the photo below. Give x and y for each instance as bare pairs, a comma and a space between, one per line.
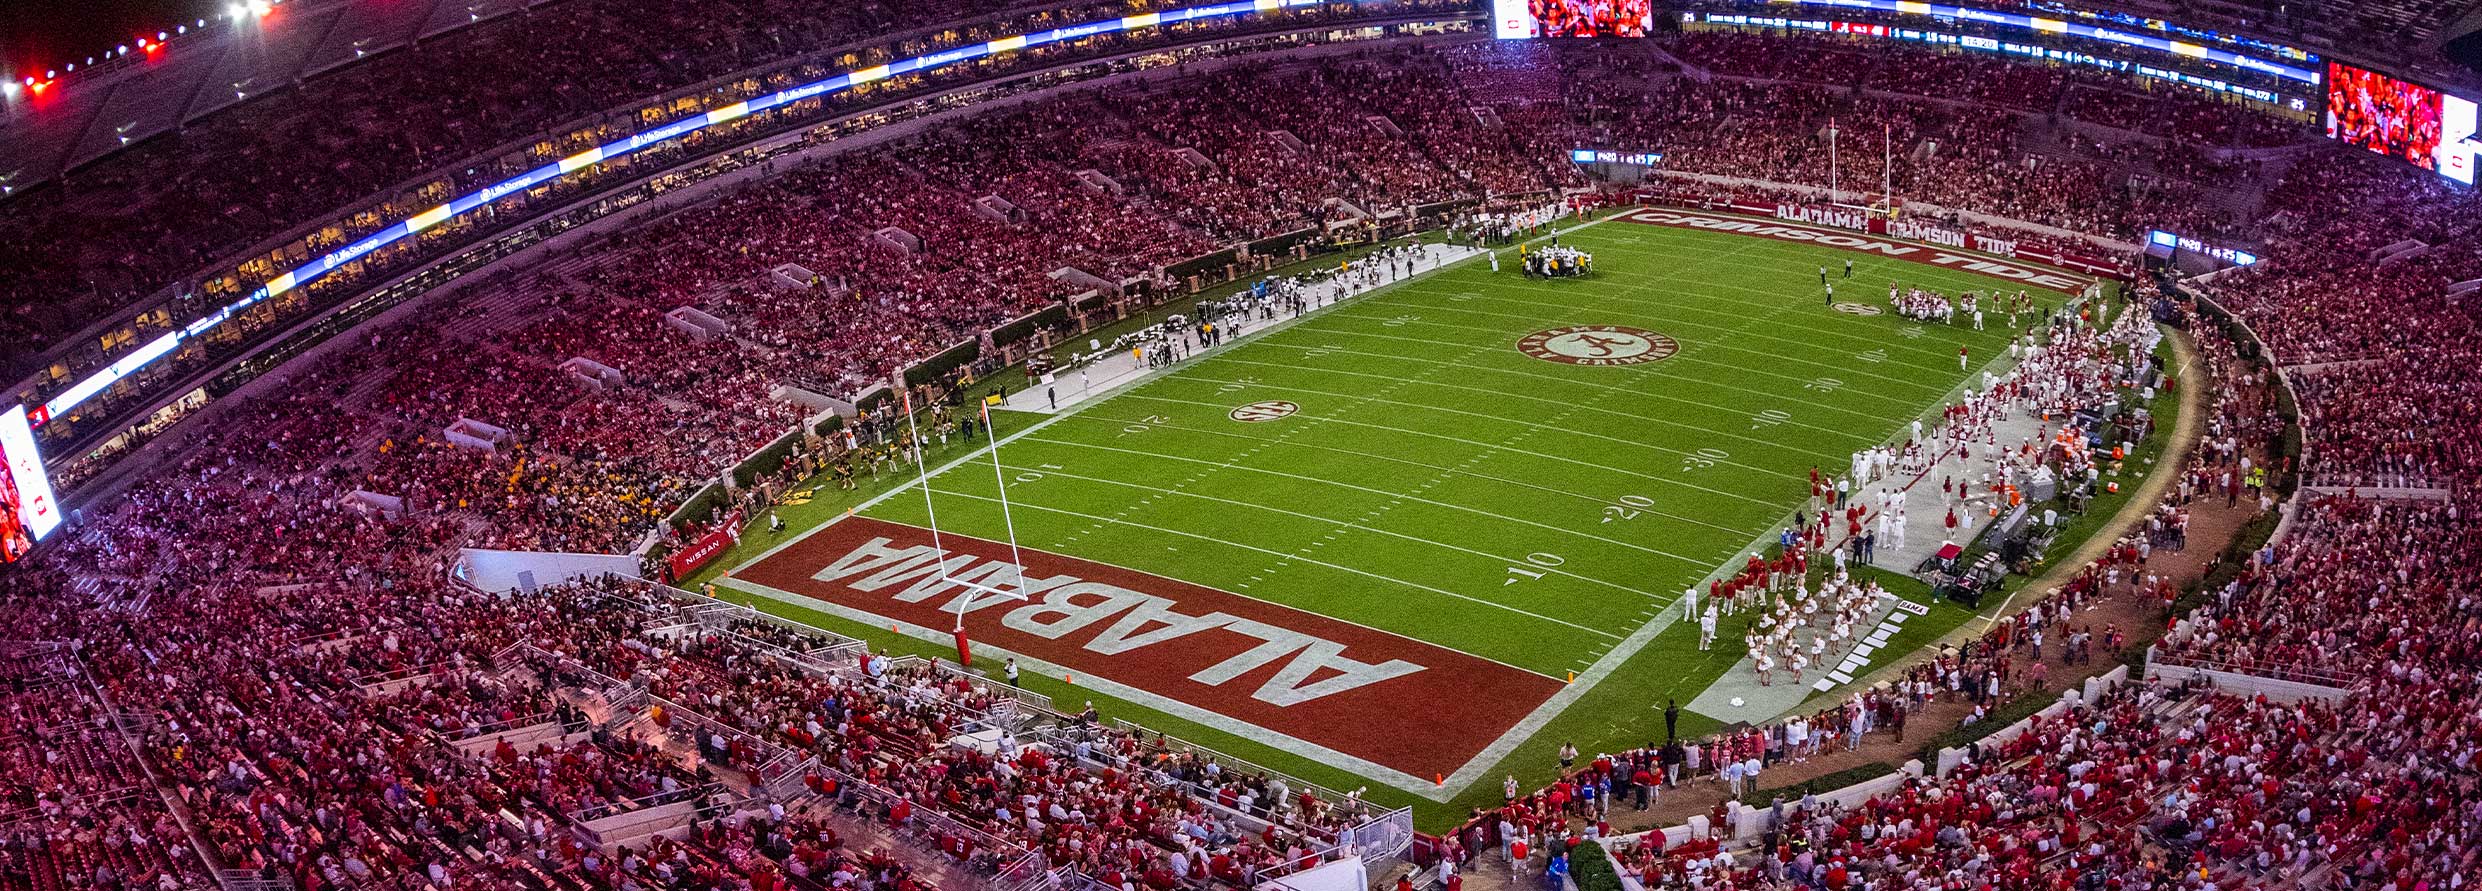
27, 510
1522, 19
2403, 120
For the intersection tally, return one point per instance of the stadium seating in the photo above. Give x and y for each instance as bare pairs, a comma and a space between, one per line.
311, 671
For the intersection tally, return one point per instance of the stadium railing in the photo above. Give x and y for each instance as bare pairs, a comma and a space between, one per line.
612, 809
1007, 849
250, 880
1165, 742
482, 730
2332, 685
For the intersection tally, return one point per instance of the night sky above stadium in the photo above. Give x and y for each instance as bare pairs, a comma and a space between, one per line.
40, 34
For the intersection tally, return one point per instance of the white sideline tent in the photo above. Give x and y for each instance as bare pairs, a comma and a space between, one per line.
501, 572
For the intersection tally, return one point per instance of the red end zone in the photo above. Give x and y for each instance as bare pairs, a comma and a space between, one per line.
1865, 243
1331, 683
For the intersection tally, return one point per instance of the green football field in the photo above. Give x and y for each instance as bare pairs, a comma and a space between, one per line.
1438, 483
1443, 485
1434, 481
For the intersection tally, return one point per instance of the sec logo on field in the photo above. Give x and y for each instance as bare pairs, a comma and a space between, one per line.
1598, 345
1256, 412
1859, 309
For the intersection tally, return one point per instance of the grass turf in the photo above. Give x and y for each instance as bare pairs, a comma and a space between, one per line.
1439, 484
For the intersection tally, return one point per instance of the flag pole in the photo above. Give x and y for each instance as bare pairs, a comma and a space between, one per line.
1832, 195
1887, 168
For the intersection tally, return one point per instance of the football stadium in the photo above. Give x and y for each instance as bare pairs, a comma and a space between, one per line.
616, 445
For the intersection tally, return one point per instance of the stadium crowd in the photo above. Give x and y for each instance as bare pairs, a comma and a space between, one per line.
169, 207
305, 670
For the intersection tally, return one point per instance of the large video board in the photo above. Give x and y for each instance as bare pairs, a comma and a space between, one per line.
1518, 19
2401, 119
27, 511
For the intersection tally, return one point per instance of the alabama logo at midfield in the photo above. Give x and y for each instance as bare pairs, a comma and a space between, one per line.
1598, 345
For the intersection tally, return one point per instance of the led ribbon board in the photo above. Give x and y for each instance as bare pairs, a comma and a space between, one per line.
2234, 256
1607, 156
2079, 29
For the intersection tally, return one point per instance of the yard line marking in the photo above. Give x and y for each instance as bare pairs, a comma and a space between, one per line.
1561, 402
1530, 425
1873, 341
1875, 419
1788, 251
1456, 470
1416, 585
1310, 479
1398, 299
1668, 305
1313, 419
1719, 343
